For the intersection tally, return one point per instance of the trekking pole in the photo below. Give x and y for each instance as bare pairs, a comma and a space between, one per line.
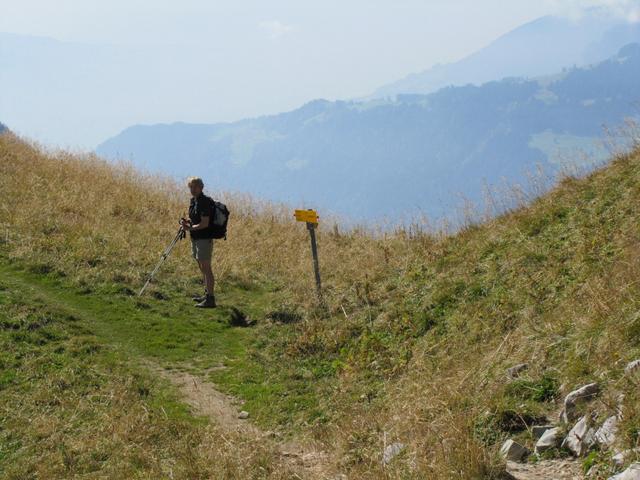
179, 236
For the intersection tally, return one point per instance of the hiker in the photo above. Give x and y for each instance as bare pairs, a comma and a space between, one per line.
200, 226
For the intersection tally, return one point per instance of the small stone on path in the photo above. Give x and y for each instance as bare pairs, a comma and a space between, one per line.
538, 430
631, 473
586, 392
606, 434
391, 451
514, 451
549, 439
580, 438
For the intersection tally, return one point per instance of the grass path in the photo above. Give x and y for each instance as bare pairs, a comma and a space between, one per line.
171, 333
186, 347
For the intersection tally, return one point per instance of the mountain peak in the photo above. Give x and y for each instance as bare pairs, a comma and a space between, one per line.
630, 50
541, 47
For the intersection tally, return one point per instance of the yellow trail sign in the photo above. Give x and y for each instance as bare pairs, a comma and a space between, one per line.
309, 216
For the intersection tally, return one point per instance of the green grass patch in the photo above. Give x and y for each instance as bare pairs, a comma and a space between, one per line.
172, 333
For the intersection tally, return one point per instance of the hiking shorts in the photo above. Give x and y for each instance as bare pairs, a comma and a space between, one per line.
202, 249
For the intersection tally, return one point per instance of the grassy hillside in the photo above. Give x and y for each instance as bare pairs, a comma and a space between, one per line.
413, 347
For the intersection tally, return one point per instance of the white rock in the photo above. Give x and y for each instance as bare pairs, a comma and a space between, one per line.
391, 451
621, 458
580, 438
549, 439
632, 367
585, 392
631, 473
513, 451
243, 415
538, 430
606, 435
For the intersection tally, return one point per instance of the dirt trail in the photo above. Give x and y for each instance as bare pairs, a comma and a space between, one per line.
303, 457
205, 400
308, 460
546, 470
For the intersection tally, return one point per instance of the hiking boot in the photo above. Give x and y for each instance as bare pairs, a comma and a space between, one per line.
199, 298
208, 302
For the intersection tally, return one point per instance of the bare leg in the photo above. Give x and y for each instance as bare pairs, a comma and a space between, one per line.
204, 278
205, 268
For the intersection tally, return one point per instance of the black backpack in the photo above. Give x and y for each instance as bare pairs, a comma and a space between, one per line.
220, 218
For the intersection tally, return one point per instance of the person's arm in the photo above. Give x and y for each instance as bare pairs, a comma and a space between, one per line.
204, 223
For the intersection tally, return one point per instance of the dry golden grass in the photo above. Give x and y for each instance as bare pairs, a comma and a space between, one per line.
554, 285
102, 222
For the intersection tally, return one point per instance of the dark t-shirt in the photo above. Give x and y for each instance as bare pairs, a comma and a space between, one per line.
201, 207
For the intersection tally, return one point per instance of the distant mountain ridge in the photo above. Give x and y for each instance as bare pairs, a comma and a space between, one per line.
414, 154
541, 47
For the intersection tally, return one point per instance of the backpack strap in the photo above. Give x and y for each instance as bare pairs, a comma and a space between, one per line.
213, 207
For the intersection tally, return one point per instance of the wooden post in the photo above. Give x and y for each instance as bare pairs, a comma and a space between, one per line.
310, 217
314, 251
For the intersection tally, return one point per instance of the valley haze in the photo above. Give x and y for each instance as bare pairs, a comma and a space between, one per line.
413, 155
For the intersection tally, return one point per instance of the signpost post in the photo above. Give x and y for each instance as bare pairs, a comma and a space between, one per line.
310, 217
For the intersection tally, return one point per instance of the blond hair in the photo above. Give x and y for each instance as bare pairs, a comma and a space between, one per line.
195, 181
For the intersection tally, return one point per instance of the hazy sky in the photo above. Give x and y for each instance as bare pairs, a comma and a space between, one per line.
348, 47
267, 56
